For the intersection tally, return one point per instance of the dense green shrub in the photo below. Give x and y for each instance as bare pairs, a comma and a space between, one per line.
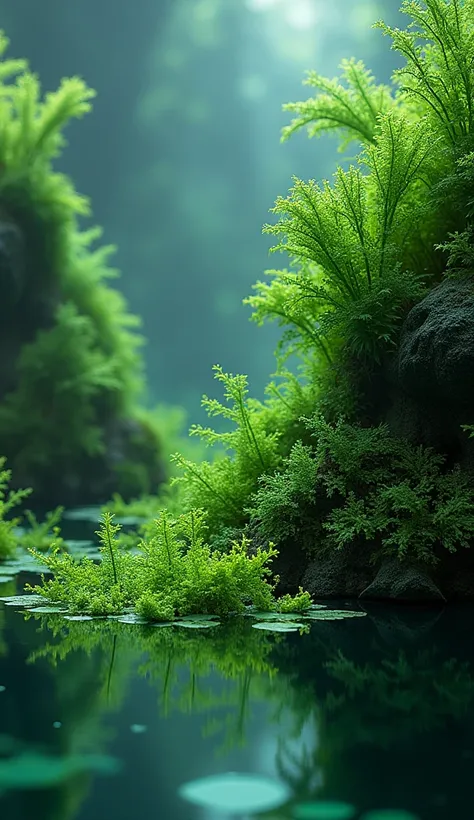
174, 573
356, 482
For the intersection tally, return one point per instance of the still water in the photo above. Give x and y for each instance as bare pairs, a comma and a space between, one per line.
370, 718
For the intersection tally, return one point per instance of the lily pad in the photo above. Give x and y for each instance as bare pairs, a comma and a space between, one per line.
83, 514
278, 626
138, 728
46, 610
22, 600
324, 810
236, 792
79, 545
334, 615
275, 616
130, 619
131, 520
199, 618
196, 624
79, 618
34, 771
4, 579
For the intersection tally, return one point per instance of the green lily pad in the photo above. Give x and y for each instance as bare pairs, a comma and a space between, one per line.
130, 520
278, 626
323, 810
4, 579
275, 616
22, 600
198, 618
83, 514
334, 615
47, 609
79, 545
138, 728
235, 793
130, 619
196, 624
79, 618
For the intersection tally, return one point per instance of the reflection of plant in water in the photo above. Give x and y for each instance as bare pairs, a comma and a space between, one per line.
395, 699
179, 662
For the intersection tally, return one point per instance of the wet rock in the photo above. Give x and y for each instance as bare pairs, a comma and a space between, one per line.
436, 352
339, 574
396, 581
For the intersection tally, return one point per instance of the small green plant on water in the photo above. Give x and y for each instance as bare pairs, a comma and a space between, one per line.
175, 573
9, 499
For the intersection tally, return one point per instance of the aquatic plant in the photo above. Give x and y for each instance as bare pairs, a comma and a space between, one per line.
174, 573
223, 486
9, 499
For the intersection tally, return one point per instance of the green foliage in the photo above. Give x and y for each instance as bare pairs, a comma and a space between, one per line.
301, 602
81, 368
352, 241
39, 534
397, 497
223, 486
174, 573
9, 499
351, 111
355, 232
438, 78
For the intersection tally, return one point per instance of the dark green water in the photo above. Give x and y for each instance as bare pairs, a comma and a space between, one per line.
121, 722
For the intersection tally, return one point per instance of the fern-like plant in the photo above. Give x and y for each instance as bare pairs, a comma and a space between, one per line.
9, 499
174, 573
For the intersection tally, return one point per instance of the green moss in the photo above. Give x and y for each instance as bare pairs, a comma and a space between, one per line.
78, 366
356, 482
174, 573
9, 499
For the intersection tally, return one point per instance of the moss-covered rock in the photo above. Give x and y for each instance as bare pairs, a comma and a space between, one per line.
71, 374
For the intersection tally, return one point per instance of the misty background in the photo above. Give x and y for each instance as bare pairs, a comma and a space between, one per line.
181, 156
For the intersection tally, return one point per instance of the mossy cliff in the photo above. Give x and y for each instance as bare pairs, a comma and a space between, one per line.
70, 367
360, 467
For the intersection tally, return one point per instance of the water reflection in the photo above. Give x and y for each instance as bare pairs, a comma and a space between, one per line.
353, 717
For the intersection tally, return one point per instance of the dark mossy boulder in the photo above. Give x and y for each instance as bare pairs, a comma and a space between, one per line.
433, 372
350, 573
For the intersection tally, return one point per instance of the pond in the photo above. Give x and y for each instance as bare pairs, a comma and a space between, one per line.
368, 718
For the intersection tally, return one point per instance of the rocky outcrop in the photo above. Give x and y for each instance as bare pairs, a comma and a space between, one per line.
424, 393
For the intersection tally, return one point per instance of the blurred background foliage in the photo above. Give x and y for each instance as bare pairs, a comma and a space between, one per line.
182, 156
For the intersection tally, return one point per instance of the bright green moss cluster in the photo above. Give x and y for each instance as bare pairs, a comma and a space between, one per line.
76, 363
174, 572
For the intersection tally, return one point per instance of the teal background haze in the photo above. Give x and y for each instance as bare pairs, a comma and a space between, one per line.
181, 155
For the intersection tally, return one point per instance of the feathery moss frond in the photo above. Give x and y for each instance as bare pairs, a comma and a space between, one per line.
351, 111
439, 72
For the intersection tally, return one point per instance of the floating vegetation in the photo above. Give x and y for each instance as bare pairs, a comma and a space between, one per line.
276, 626
323, 810
91, 514
236, 793
267, 621
31, 770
